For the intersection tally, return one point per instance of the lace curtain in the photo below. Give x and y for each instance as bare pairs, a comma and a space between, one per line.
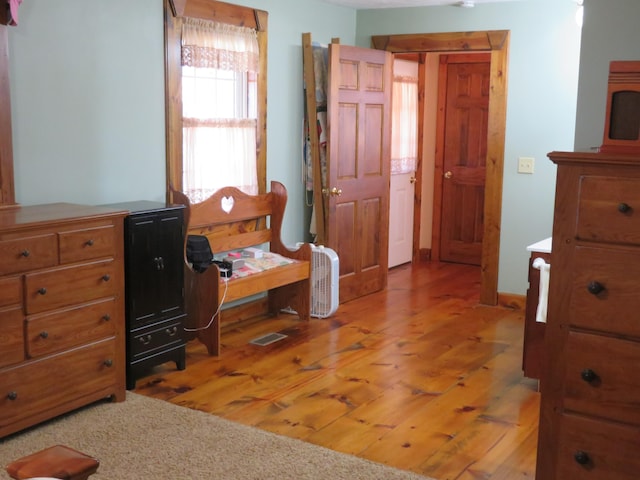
404, 125
219, 72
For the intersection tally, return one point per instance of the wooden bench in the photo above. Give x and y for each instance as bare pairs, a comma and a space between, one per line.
232, 221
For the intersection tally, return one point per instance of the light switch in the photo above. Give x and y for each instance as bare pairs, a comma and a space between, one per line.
525, 164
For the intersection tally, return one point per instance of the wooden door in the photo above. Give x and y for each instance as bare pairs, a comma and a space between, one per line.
359, 125
401, 198
464, 92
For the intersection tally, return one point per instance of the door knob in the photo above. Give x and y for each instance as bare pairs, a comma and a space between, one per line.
448, 174
334, 191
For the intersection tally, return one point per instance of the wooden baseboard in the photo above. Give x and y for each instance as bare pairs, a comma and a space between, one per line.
242, 314
424, 254
512, 300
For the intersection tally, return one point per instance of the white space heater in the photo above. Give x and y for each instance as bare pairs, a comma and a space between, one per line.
324, 281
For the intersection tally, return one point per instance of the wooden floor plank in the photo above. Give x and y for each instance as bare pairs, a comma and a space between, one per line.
418, 376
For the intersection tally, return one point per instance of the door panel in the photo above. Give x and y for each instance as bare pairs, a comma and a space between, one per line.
359, 125
466, 79
401, 199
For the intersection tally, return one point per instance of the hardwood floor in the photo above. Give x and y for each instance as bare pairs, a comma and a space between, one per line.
418, 376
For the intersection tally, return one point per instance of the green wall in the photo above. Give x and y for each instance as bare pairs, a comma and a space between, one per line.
87, 96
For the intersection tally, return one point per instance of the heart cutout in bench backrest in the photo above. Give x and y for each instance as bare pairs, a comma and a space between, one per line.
227, 204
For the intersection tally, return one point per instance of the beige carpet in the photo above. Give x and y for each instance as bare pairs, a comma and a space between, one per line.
144, 438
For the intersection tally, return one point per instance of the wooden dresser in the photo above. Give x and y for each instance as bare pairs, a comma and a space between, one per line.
61, 311
590, 411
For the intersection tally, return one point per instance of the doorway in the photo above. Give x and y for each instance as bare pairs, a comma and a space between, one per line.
497, 44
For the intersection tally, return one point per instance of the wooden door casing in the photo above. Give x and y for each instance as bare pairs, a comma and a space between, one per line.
358, 168
464, 94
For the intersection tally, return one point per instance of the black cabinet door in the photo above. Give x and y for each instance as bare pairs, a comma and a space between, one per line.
155, 266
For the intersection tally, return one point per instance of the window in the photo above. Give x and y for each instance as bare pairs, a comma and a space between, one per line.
219, 73
215, 97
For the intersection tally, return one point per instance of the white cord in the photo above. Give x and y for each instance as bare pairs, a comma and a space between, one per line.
226, 286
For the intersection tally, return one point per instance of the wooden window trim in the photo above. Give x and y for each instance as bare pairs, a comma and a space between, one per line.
174, 11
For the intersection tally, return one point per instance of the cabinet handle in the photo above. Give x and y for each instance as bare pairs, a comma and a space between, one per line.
42, 291
108, 362
624, 207
44, 334
159, 263
12, 395
145, 340
89, 243
106, 277
106, 317
595, 287
171, 331
581, 457
588, 375
25, 253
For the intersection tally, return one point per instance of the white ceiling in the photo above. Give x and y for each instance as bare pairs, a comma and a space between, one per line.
362, 4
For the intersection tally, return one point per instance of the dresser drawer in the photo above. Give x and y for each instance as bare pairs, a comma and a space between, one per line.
43, 385
601, 378
28, 253
87, 243
611, 450
10, 291
615, 308
11, 336
609, 210
161, 336
67, 328
66, 286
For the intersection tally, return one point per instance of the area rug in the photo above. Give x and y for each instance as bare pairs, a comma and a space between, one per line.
148, 439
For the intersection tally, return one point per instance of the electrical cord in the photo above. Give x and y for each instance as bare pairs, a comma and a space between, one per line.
226, 286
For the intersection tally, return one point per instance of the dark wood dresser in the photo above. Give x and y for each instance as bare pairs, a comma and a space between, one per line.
590, 409
154, 284
61, 311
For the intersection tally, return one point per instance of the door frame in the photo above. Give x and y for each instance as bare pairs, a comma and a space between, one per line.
496, 42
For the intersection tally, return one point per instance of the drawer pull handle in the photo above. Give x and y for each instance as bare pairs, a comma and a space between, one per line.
595, 287
44, 334
171, 331
25, 253
106, 317
159, 263
42, 291
146, 340
89, 243
588, 375
581, 457
12, 395
108, 362
106, 277
624, 207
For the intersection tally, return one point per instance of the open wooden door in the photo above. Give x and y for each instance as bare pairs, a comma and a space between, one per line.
359, 125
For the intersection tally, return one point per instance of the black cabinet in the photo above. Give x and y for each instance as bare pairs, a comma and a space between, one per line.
154, 286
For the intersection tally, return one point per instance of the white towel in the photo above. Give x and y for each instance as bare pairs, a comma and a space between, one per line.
543, 297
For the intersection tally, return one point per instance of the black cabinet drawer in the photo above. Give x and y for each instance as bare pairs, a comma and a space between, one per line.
152, 338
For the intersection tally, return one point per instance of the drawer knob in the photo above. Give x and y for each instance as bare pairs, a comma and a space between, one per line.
624, 207
588, 375
106, 317
581, 457
89, 243
44, 334
595, 287
25, 253
42, 291
171, 331
108, 362
12, 395
106, 277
